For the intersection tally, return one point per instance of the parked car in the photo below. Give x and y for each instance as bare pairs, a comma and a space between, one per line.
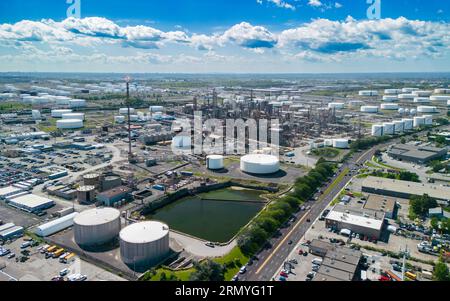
243, 270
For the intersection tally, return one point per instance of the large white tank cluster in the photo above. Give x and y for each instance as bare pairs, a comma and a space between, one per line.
442, 91
392, 128
260, 164
368, 93
97, 226
124, 111
440, 98
421, 100
428, 119
336, 106
369, 109
389, 106
79, 116
399, 126
408, 124
419, 121
390, 98
388, 128
214, 162
59, 113
426, 109
69, 124
145, 243
377, 130
392, 91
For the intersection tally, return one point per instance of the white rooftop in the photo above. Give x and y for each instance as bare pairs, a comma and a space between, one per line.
5, 191
97, 216
31, 200
144, 232
353, 219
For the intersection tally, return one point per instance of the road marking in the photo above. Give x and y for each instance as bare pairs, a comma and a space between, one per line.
360, 158
281, 243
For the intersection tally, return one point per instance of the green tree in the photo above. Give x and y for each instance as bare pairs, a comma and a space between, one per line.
441, 272
421, 204
208, 271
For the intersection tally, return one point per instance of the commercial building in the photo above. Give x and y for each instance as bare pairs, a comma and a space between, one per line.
12, 232
9, 191
384, 204
416, 154
404, 189
31, 203
110, 197
362, 221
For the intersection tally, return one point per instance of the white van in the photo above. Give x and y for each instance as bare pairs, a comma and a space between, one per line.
317, 261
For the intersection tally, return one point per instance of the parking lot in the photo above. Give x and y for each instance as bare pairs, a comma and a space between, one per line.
38, 268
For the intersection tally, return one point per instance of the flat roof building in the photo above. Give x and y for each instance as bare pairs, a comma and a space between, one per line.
404, 189
112, 196
416, 154
381, 203
362, 221
31, 203
9, 191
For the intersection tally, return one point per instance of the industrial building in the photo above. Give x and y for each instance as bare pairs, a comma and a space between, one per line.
362, 221
144, 244
416, 154
214, 162
405, 189
113, 196
56, 225
384, 204
109, 182
31, 203
95, 227
12, 232
86, 194
9, 191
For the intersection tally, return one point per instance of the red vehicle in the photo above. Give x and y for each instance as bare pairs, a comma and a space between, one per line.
384, 278
284, 274
350, 194
300, 252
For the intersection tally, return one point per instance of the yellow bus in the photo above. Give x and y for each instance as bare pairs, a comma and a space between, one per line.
51, 249
58, 253
411, 275
71, 256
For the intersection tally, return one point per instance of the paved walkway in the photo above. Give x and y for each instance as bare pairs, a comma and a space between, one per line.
197, 247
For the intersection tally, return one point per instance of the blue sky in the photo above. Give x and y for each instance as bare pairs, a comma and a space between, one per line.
224, 36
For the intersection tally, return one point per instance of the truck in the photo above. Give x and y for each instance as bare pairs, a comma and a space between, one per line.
68, 258
58, 253
51, 249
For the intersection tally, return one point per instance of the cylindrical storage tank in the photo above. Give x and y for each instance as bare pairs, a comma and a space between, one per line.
355, 103
340, 143
214, 162
124, 111
92, 179
406, 96
401, 111
409, 90
260, 164
59, 113
428, 119
377, 130
448, 103
119, 119
336, 106
134, 118
77, 103
36, 115
421, 99
409, 123
413, 112
96, 227
422, 93
390, 98
399, 126
440, 98
69, 124
182, 142
144, 244
328, 142
155, 109
368, 93
86, 194
388, 128
392, 91
389, 106
79, 116
110, 182
419, 121
369, 109
442, 91
426, 109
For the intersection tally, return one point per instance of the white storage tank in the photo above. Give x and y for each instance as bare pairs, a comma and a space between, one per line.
422, 100
368, 93
260, 164
422, 93
341, 143
69, 124
97, 226
448, 103
399, 126
124, 111
119, 119
428, 119
182, 142
355, 103
59, 113
134, 118
56, 225
442, 91
377, 130
406, 96
401, 111
36, 115
389, 106
409, 90
392, 91
390, 98
79, 116
442, 98
336, 106
408, 124
413, 112
144, 244
214, 162
419, 121
388, 128
77, 103
156, 109
369, 109
426, 109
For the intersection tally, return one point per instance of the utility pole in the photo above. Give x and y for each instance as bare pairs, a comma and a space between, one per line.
405, 253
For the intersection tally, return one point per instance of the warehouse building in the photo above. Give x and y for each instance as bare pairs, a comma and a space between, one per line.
384, 204
361, 221
12, 232
31, 203
405, 189
9, 191
416, 154
111, 197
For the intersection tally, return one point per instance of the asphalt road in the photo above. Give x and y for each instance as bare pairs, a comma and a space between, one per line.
271, 259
